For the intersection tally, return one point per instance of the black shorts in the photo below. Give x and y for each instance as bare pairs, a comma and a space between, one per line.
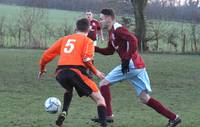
69, 79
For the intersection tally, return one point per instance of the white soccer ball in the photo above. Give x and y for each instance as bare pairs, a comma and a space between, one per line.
52, 105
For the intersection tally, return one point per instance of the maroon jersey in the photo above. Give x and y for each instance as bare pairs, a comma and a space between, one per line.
125, 43
94, 27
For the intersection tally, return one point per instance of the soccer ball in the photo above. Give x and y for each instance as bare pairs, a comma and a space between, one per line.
52, 105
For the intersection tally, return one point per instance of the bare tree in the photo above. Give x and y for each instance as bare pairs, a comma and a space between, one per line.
140, 31
2, 33
156, 34
127, 21
192, 3
183, 34
174, 10
171, 40
12, 33
194, 38
30, 17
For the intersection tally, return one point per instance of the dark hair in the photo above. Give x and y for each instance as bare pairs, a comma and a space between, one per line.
88, 11
82, 25
108, 12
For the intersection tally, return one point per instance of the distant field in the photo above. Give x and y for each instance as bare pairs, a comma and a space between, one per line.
11, 13
174, 79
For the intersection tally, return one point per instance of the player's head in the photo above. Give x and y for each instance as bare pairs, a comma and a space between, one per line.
89, 15
107, 17
82, 25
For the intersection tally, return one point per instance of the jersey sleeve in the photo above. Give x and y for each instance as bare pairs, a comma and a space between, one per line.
88, 56
109, 50
50, 54
131, 40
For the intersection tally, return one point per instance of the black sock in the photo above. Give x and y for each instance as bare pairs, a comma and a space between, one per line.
102, 115
67, 101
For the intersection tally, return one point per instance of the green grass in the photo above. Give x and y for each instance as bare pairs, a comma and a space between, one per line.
174, 78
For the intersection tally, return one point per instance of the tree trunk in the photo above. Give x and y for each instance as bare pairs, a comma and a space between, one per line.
195, 44
29, 39
140, 30
19, 37
184, 42
2, 32
157, 42
194, 37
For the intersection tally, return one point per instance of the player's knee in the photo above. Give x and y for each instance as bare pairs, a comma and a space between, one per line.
69, 91
144, 97
103, 82
100, 101
98, 98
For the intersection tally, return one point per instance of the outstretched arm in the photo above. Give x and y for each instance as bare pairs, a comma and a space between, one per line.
88, 57
49, 55
109, 50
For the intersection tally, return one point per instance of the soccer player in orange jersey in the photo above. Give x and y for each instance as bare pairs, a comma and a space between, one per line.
76, 53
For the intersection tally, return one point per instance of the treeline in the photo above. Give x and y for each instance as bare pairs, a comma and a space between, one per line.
188, 10
178, 10
169, 36
31, 29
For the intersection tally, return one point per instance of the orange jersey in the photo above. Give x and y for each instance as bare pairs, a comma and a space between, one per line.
75, 49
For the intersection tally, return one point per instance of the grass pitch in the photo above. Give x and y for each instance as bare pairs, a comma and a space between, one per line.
174, 78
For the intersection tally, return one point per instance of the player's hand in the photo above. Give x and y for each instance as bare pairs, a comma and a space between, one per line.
100, 75
40, 73
96, 48
125, 66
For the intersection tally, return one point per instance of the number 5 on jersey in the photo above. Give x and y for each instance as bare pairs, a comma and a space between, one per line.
69, 46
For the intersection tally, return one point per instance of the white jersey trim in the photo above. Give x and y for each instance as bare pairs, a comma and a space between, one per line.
127, 49
116, 25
